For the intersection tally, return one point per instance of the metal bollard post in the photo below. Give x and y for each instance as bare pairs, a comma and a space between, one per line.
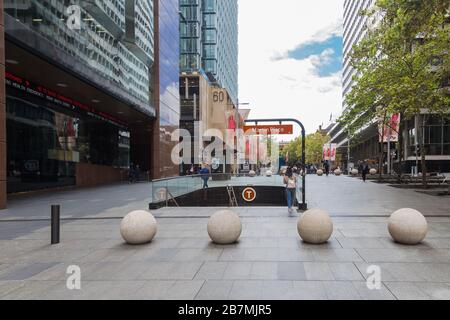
55, 223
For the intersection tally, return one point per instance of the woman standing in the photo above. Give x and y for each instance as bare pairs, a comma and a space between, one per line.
291, 183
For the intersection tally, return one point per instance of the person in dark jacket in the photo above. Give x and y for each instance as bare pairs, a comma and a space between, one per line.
327, 167
365, 172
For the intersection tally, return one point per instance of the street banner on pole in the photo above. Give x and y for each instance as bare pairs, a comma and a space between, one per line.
333, 148
326, 152
389, 131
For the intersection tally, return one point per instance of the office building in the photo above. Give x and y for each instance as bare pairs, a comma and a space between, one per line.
88, 86
367, 146
209, 41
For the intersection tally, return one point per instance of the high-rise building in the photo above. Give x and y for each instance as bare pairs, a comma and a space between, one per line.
166, 95
90, 87
436, 130
209, 41
354, 30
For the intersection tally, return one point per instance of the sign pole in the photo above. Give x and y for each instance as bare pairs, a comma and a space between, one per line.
301, 206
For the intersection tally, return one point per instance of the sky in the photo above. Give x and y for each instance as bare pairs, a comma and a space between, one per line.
290, 60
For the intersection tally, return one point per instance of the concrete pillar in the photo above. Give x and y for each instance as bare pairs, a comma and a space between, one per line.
3, 165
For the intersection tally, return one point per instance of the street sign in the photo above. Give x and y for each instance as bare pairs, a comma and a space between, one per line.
249, 194
269, 129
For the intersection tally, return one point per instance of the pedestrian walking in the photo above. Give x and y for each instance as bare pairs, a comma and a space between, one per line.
327, 168
365, 172
205, 176
291, 184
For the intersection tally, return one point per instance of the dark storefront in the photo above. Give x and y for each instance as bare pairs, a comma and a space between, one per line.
50, 136
74, 95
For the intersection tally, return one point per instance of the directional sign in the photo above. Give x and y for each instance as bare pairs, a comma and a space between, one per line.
269, 129
249, 194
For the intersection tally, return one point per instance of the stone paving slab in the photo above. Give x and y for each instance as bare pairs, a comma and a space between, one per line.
189, 266
269, 262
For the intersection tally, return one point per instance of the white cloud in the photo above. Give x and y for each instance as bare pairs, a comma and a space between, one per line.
324, 58
279, 86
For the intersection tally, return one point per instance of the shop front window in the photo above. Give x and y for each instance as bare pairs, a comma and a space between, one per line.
44, 145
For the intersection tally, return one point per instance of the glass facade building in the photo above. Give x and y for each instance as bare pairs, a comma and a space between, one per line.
97, 40
166, 86
91, 88
209, 40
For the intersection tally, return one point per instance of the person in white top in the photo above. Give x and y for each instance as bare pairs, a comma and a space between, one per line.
298, 174
290, 182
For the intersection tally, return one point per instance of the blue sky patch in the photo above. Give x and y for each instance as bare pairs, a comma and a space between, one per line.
327, 67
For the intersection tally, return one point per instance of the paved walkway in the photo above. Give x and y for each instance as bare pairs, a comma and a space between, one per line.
341, 196
269, 262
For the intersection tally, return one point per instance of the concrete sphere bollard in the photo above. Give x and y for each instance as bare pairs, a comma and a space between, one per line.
373, 171
320, 172
224, 227
315, 226
338, 172
252, 173
407, 226
269, 173
355, 172
138, 227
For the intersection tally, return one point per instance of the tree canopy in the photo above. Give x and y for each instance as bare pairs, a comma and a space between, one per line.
314, 148
402, 63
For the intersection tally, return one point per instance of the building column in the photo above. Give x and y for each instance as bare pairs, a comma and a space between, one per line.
3, 160
156, 130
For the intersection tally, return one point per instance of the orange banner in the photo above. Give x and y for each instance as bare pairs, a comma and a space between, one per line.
269, 129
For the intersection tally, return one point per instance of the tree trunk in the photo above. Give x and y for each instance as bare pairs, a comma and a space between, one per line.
381, 159
422, 150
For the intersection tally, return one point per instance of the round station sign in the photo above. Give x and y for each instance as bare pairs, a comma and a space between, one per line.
249, 194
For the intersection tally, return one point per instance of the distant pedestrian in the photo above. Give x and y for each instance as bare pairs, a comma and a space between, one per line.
365, 172
327, 168
291, 184
131, 173
205, 176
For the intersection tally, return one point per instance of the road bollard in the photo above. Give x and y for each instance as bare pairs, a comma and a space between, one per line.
55, 223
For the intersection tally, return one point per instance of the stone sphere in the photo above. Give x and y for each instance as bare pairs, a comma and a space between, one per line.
269, 173
138, 227
320, 172
252, 173
355, 172
407, 226
224, 227
373, 171
315, 226
338, 172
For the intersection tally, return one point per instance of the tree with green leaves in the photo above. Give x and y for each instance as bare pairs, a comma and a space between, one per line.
401, 65
314, 148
